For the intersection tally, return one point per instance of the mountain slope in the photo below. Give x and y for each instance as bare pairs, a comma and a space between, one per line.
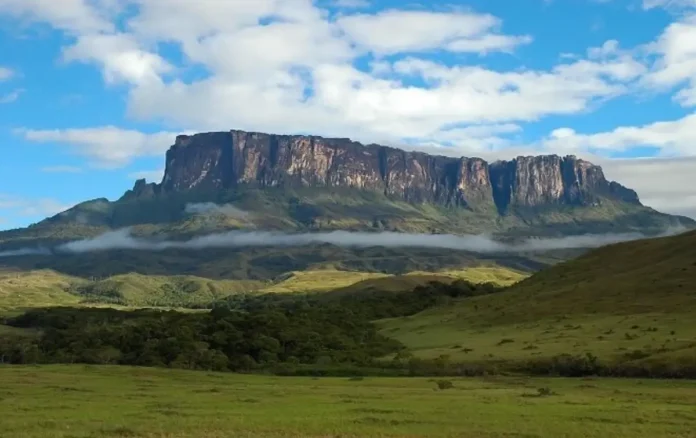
253, 181
631, 296
285, 182
651, 275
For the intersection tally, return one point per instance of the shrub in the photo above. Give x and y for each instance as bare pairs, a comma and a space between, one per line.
444, 384
636, 355
565, 365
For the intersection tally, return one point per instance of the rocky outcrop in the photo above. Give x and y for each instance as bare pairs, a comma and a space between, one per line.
550, 179
142, 189
221, 160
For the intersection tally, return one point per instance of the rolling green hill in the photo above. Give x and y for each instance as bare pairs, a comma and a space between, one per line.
174, 291
36, 289
399, 283
636, 298
44, 288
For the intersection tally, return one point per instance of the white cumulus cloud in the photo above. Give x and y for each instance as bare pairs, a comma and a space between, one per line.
106, 146
289, 66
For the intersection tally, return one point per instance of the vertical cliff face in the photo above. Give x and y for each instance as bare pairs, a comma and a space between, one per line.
550, 179
199, 161
223, 160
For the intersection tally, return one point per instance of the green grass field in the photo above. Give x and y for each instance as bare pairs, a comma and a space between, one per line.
615, 301
436, 332
85, 401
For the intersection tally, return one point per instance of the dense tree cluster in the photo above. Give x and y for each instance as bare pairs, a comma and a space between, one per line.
219, 340
367, 305
241, 333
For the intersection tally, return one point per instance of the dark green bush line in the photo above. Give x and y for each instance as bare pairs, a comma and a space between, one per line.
370, 305
564, 365
220, 340
567, 365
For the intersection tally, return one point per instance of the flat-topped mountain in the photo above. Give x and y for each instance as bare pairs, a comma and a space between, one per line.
227, 160
236, 180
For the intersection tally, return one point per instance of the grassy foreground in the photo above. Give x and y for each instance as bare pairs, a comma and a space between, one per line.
87, 401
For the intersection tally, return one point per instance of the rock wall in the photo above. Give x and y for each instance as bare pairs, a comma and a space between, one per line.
221, 160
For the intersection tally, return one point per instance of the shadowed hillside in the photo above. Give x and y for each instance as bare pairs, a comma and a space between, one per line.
265, 263
652, 275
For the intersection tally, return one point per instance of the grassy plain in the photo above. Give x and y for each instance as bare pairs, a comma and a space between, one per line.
79, 401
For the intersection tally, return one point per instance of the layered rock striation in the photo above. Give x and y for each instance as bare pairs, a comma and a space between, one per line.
224, 160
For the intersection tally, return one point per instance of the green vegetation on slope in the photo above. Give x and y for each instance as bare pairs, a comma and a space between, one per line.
305, 210
448, 345
107, 402
45, 288
337, 208
481, 274
263, 263
361, 282
171, 291
36, 289
630, 302
651, 275
629, 305
241, 333
319, 281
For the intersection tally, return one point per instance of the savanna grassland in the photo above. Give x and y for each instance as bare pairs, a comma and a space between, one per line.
624, 310
107, 401
632, 302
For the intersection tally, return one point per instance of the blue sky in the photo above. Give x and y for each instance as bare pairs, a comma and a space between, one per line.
92, 92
